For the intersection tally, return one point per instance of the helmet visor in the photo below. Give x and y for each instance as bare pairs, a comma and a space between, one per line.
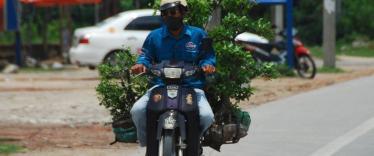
171, 12
169, 5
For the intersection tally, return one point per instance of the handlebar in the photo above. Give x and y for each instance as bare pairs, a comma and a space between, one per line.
178, 70
174, 70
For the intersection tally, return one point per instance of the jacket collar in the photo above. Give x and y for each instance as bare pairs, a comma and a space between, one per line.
185, 31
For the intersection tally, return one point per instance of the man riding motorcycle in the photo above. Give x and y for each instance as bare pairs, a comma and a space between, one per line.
179, 42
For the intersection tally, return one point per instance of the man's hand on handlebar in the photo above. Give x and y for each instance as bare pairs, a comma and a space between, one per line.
138, 68
209, 69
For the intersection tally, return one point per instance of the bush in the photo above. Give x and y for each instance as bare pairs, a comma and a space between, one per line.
118, 90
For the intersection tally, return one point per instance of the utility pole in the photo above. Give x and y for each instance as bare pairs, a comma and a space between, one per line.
290, 46
329, 33
12, 20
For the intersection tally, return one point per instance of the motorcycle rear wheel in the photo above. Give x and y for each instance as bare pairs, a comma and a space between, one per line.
306, 67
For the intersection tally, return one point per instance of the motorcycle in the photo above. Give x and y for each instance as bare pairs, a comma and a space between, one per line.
172, 112
173, 127
263, 50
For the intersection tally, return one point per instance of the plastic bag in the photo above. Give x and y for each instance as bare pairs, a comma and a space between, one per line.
127, 135
243, 118
228, 132
124, 131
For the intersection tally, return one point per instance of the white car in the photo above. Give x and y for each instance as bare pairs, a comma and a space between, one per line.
97, 44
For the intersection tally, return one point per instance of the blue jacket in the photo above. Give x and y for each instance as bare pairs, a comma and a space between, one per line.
161, 45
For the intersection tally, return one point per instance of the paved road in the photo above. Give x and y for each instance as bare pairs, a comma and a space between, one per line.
332, 121
336, 121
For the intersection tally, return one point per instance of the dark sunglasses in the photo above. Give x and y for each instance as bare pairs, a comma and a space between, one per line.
171, 11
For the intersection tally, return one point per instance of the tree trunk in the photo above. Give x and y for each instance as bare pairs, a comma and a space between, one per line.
44, 30
215, 19
137, 4
109, 8
97, 18
65, 31
1, 21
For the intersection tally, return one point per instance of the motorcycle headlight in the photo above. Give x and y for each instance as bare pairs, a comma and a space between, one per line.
172, 73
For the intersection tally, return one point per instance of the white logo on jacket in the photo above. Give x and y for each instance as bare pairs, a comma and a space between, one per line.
191, 47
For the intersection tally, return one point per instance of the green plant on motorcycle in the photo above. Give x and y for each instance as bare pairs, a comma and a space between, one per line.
118, 90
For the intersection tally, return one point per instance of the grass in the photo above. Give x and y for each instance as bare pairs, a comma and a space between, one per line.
316, 51
330, 70
347, 49
285, 71
9, 148
6, 148
362, 51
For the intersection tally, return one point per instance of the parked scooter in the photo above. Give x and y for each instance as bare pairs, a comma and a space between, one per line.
263, 50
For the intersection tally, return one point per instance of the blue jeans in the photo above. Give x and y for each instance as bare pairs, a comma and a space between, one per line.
138, 112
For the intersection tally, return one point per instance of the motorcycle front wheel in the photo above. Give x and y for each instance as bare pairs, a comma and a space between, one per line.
167, 145
306, 67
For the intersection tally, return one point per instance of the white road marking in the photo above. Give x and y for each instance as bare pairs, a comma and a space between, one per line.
345, 139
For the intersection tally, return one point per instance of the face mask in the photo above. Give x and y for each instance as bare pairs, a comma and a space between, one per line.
174, 23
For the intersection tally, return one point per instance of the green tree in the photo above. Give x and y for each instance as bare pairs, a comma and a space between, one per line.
352, 20
236, 68
356, 20
308, 21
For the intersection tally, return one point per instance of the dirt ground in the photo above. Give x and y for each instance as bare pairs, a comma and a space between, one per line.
57, 113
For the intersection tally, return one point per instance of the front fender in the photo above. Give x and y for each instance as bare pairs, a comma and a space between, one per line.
180, 122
